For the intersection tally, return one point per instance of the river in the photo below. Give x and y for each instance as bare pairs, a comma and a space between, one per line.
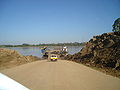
35, 51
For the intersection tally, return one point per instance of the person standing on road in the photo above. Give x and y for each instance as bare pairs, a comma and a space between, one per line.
65, 49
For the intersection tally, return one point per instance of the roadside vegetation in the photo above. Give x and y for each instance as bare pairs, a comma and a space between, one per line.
116, 25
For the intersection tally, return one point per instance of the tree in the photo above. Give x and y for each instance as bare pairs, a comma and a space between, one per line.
116, 25
25, 44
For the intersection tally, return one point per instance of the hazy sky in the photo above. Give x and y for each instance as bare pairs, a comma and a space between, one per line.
53, 21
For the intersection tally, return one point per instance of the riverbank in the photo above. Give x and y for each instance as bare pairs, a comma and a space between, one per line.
11, 58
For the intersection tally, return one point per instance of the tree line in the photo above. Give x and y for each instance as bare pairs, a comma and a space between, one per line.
43, 44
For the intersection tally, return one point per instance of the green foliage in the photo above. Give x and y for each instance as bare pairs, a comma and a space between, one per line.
25, 44
116, 25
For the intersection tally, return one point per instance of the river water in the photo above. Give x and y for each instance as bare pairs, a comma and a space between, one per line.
36, 51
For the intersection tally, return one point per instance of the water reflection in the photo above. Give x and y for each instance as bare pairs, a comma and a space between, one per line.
35, 51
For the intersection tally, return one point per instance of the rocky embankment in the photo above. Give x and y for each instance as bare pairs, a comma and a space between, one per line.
101, 51
10, 58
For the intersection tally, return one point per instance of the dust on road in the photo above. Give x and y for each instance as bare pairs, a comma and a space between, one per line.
61, 75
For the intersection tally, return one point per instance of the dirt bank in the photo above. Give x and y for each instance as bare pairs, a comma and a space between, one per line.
101, 52
10, 58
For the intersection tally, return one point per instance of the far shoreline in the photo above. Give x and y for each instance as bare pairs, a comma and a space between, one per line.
4, 46
41, 45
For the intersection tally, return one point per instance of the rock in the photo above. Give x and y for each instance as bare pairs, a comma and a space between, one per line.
108, 43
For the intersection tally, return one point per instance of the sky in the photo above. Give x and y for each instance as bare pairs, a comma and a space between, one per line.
55, 21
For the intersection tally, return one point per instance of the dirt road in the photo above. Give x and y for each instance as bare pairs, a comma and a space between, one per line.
61, 75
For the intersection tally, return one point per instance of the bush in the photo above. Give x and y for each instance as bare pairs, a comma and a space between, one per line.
116, 25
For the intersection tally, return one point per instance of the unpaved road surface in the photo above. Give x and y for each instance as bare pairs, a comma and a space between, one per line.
61, 75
